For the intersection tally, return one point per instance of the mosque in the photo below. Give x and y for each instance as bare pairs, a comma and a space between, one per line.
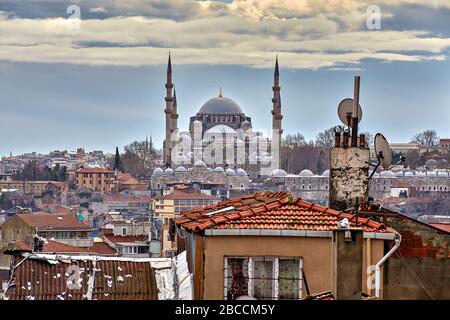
221, 134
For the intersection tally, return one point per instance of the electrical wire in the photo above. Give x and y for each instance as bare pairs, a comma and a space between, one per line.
411, 271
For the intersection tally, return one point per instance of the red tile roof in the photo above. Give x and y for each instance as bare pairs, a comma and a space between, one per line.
122, 239
54, 208
129, 198
442, 226
37, 279
268, 210
186, 195
52, 221
94, 170
99, 248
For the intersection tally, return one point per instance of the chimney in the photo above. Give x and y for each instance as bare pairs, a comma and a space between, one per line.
349, 164
347, 263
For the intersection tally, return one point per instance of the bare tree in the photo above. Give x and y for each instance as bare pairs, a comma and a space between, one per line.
325, 139
294, 140
428, 137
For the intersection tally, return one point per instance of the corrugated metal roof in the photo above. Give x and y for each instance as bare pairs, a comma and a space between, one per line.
59, 277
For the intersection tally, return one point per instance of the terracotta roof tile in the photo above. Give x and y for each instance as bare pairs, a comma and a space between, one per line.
272, 211
45, 220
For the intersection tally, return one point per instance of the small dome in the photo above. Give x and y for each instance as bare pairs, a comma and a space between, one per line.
199, 163
421, 174
375, 175
387, 174
306, 173
181, 169
443, 164
168, 172
399, 174
258, 139
432, 174
409, 174
158, 172
246, 125
220, 129
182, 158
219, 169
326, 173
220, 105
230, 172
442, 174
184, 138
278, 173
241, 172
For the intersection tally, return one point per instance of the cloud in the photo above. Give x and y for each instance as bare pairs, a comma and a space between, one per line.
307, 34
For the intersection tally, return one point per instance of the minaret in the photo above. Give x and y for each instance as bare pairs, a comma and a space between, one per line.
117, 161
174, 111
276, 117
168, 111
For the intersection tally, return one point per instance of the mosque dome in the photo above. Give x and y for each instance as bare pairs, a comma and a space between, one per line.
168, 172
230, 172
326, 173
158, 172
241, 172
181, 169
306, 173
387, 174
246, 125
278, 173
220, 105
409, 174
221, 129
399, 174
219, 169
199, 163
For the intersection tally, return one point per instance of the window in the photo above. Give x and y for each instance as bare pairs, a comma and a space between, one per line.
124, 231
263, 277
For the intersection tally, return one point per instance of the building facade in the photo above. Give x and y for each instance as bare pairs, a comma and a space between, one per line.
95, 179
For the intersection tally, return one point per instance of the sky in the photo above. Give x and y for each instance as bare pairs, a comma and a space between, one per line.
96, 80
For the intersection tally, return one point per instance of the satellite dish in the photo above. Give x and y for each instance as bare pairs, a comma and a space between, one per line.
383, 151
346, 107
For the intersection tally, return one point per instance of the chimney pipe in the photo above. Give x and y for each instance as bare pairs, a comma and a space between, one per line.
347, 263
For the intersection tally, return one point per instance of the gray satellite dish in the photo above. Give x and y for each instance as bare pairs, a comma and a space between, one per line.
346, 107
383, 151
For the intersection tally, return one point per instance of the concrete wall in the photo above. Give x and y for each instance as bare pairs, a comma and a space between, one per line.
316, 254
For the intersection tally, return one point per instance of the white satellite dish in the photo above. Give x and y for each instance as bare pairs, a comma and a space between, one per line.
345, 107
383, 151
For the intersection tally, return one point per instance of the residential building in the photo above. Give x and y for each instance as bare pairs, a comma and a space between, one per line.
95, 179
27, 187
444, 144
268, 245
169, 206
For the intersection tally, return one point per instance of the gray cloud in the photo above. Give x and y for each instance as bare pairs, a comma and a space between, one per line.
308, 34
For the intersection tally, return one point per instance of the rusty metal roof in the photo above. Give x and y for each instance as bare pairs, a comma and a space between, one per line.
53, 277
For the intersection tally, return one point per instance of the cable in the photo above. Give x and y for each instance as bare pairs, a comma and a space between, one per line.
179, 234
411, 271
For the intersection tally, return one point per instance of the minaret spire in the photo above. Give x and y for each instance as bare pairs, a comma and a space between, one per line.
174, 111
276, 117
170, 114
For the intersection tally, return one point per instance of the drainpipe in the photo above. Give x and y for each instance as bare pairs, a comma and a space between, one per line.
398, 240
